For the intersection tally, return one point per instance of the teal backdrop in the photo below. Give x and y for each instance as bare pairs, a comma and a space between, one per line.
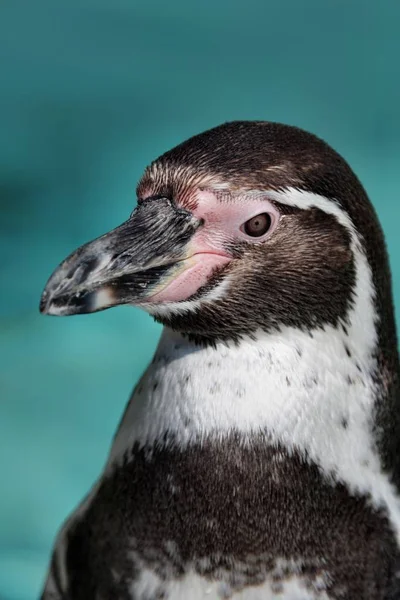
90, 92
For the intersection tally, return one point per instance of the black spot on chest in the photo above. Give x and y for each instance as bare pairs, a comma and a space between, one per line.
239, 507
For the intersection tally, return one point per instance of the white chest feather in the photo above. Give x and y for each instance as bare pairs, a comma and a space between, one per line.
194, 587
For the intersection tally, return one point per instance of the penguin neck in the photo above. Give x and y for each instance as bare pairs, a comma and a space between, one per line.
311, 392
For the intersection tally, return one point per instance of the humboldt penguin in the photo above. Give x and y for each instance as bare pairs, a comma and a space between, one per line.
258, 457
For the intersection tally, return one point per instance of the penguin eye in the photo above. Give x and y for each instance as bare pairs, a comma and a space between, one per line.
258, 225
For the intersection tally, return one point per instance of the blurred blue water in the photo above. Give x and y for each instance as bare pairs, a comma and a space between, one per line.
90, 92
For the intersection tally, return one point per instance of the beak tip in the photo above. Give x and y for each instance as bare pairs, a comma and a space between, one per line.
43, 305
48, 305
65, 305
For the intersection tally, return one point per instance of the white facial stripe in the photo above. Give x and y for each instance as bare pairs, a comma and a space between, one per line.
363, 317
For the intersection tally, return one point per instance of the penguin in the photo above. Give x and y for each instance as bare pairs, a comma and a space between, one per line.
258, 457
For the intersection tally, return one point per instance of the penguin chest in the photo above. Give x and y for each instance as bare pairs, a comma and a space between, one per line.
195, 587
226, 521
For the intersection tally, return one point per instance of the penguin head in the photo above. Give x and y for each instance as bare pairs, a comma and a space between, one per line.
248, 226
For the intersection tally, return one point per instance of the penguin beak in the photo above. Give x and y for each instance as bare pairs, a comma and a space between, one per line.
128, 265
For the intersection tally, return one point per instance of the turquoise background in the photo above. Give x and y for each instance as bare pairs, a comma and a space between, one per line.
90, 92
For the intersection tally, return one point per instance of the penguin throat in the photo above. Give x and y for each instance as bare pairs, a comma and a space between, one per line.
312, 392
313, 395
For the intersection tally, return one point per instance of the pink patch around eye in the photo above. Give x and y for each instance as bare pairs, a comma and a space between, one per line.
223, 218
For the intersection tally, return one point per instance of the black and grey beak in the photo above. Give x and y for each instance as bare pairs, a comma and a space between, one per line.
127, 265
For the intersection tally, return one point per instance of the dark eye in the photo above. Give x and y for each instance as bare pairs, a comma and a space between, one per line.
257, 226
